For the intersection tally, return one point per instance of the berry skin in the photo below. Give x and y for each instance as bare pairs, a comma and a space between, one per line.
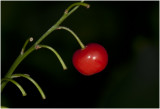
90, 60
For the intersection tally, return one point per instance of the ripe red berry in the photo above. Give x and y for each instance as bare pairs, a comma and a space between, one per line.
90, 60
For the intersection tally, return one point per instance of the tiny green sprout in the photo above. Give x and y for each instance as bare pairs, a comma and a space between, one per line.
25, 44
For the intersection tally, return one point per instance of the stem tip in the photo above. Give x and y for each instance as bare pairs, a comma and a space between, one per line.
31, 39
88, 6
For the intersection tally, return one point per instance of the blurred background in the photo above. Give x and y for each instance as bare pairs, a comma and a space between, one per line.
129, 30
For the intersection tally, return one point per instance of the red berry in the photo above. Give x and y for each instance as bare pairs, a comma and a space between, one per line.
90, 60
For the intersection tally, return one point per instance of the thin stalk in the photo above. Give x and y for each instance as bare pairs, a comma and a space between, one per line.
17, 84
56, 53
76, 4
20, 58
75, 36
54, 27
33, 81
25, 44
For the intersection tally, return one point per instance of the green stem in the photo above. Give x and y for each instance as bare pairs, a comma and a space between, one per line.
25, 44
54, 27
21, 57
77, 4
15, 64
75, 36
33, 81
56, 53
17, 84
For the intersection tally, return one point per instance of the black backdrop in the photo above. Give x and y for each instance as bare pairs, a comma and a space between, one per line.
129, 30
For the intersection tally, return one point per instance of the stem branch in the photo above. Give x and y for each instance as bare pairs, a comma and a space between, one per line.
15, 64
25, 44
75, 36
20, 58
33, 81
54, 27
76, 4
15, 83
56, 53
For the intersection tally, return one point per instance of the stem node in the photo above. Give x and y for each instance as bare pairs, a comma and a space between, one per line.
66, 11
37, 47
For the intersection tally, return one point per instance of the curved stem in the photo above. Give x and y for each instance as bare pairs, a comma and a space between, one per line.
75, 8
15, 64
75, 36
21, 57
33, 81
15, 83
25, 44
77, 4
65, 15
56, 53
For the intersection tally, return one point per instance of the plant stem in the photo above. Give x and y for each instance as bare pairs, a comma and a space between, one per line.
17, 84
75, 36
25, 44
54, 27
15, 64
74, 4
20, 58
33, 81
56, 53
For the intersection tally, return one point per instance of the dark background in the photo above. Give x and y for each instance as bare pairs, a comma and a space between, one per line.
128, 30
